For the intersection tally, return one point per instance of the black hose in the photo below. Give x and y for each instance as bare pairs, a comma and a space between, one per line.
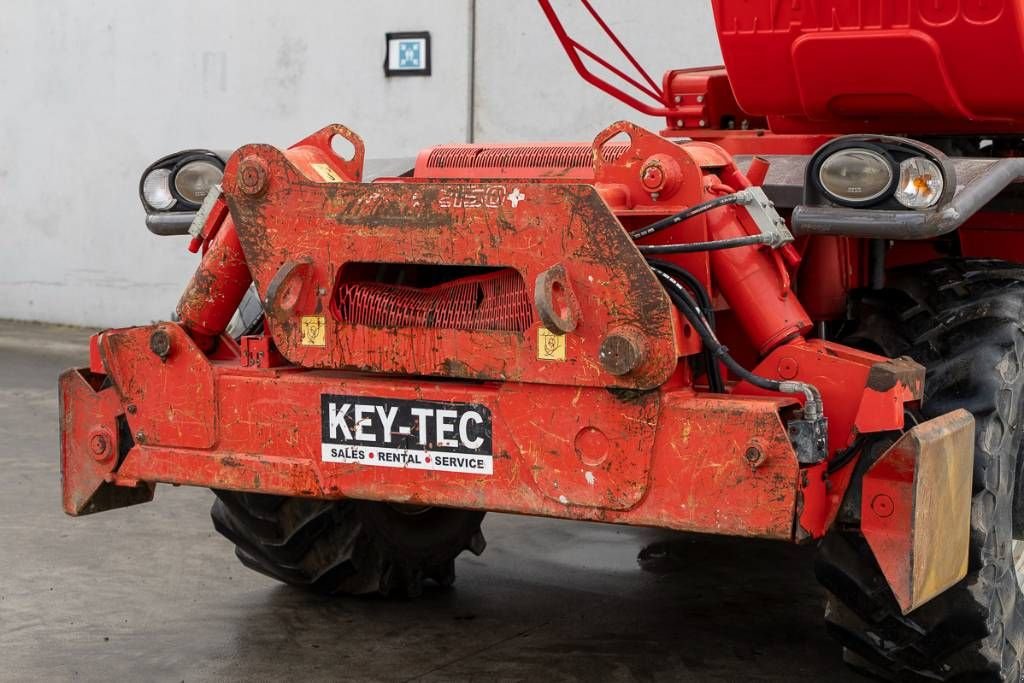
715, 382
844, 457
681, 298
691, 281
714, 245
685, 214
876, 261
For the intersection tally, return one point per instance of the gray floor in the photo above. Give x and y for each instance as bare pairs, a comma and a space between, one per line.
151, 593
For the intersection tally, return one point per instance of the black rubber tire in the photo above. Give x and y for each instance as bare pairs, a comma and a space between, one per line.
346, 547
963, 320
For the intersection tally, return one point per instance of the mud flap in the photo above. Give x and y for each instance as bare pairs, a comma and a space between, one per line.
916, 508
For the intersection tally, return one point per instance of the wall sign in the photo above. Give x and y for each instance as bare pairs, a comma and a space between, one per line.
408, 54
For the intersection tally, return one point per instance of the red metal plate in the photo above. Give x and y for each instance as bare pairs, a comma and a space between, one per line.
168, 401
313, 229
667, 458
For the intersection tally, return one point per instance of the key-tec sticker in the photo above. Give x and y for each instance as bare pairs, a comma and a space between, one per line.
419, 435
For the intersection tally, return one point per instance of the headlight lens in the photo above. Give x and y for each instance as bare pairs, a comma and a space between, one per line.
856, 175
194, 180
156, 189
920, 183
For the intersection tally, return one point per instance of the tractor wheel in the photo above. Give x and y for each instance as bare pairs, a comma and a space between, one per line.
964, 321
347, 547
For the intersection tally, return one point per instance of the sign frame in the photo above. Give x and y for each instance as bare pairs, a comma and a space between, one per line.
394, 69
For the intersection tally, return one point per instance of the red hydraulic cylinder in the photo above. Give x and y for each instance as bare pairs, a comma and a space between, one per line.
754, 282
217, 287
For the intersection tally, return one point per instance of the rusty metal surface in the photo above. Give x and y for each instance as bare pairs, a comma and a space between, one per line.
916, 508
168, 400
465, 224
90, 448
667, 458
844, 377
390, 290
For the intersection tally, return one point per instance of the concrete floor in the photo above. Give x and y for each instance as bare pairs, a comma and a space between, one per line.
152, 593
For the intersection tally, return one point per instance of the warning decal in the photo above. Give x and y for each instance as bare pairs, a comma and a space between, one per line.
550, 346
327, 173
314, 330
420, 435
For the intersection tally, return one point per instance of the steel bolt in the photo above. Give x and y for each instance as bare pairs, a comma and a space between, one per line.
754, 456
140, 437
678, 99
99, 445
882, 505
252, 176
132, 409
622, 352
653, 177
160, 344
700, 99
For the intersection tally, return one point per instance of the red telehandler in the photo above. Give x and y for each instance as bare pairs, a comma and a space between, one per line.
797, 313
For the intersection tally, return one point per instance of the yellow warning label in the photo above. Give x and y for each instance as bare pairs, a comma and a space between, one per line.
314, 330
550, 346
328, 174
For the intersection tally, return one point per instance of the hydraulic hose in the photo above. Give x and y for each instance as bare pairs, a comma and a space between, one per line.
813, 408
695, 286
686, 214
713, 245
707, 311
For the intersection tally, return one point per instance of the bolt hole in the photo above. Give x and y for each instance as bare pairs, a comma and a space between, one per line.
559, 300
608, 147
343, 147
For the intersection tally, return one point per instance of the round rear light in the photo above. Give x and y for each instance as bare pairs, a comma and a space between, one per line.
194, 180
156, 189
856, 176
921, 183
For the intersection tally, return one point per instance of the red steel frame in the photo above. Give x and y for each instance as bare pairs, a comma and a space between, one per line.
180, 403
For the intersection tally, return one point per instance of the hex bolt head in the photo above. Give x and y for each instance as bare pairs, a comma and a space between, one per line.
653, 177
132, 409
252, 176
622, 352
160, 343
754, 456
99, 444
140, 437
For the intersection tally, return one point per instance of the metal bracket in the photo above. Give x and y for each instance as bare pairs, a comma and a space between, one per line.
768, 221
199, 220
810, 439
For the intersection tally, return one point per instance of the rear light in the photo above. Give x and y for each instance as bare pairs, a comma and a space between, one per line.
156, 190
179, 182
920, 184
856, 176
194, 180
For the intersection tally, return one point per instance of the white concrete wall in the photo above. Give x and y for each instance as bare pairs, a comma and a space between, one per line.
526, 88
91, 91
